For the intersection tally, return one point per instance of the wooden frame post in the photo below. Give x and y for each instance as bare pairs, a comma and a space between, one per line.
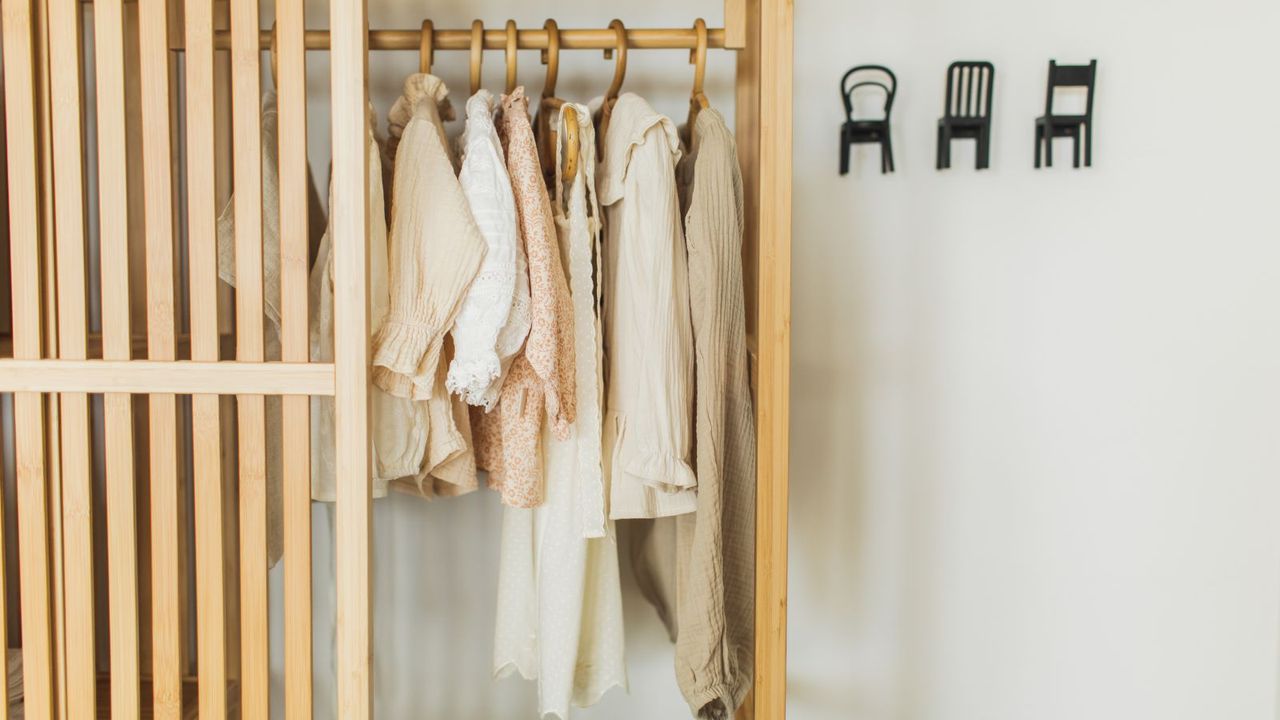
349, 223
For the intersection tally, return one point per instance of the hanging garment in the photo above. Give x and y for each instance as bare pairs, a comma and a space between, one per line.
435, 252
648, 337
559, 596
399, 425
435, 247
542, 376
709, 605
494, 319
226, 231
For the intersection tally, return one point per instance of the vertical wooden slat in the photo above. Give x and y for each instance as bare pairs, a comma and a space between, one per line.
25, 238
211, 626
69, 229
49, 319
296, 410
246, 129
349, 218
205, 409
773, 398
735, 24
113, 215
166, 501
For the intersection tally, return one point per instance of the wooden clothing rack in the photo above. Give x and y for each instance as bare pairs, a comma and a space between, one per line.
181, 374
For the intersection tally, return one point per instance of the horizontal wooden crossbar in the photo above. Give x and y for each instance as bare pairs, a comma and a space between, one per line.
570, 39
181, 377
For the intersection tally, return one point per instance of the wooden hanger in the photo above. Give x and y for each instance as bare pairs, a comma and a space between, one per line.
550, 103
619, 72
698, 58
477, 54
512, 38
427, 47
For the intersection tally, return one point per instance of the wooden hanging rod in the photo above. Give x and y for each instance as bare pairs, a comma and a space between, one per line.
592, 39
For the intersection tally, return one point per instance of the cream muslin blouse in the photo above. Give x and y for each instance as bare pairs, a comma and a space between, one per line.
399, 424
648, 336
435, 251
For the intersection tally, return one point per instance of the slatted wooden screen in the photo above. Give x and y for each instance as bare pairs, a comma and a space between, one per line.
152, 209
60, 363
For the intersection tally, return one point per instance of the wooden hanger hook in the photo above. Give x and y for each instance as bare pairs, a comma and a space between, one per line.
427, 47
620, 67
551, 58
512, 46
698, 57
477, 54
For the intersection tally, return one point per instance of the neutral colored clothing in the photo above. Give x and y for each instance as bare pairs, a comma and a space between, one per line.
494, 319
399, 425
226, 231
710, 606
435, 247
648, 335
435, 250
559, 597
542, 375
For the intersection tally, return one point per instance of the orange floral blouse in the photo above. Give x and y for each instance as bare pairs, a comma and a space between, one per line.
542, 376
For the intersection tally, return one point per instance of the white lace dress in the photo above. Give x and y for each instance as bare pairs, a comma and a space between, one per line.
494, 319
559, 595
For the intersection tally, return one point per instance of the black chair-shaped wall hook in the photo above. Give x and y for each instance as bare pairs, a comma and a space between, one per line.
1051, 125
881, 80
970, 88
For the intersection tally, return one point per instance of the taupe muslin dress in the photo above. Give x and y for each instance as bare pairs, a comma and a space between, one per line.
709, 605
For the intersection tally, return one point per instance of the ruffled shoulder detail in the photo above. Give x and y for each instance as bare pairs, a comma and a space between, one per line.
629, 124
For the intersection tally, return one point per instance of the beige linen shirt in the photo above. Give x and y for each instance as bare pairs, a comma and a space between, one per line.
648, 427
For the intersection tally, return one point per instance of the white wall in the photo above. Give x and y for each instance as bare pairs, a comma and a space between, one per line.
1035, 413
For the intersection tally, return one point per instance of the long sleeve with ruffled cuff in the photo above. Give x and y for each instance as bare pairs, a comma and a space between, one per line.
435, 247
494, 319
648, 429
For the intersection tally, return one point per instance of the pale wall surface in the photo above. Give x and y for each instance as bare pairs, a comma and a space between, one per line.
1035, 451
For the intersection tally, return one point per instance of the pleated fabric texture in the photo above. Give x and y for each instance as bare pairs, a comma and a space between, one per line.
709, 604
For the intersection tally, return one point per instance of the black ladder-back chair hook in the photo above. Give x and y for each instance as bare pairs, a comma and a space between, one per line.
858, 131
970, 90
1077, 127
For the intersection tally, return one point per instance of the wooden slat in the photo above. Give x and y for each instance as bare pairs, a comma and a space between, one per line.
291, 84
53, 407
735, 24
206, 430
181, 377
25, 238
167, 506
349, 217
774, 324
69, 229
246, 129
113, 215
